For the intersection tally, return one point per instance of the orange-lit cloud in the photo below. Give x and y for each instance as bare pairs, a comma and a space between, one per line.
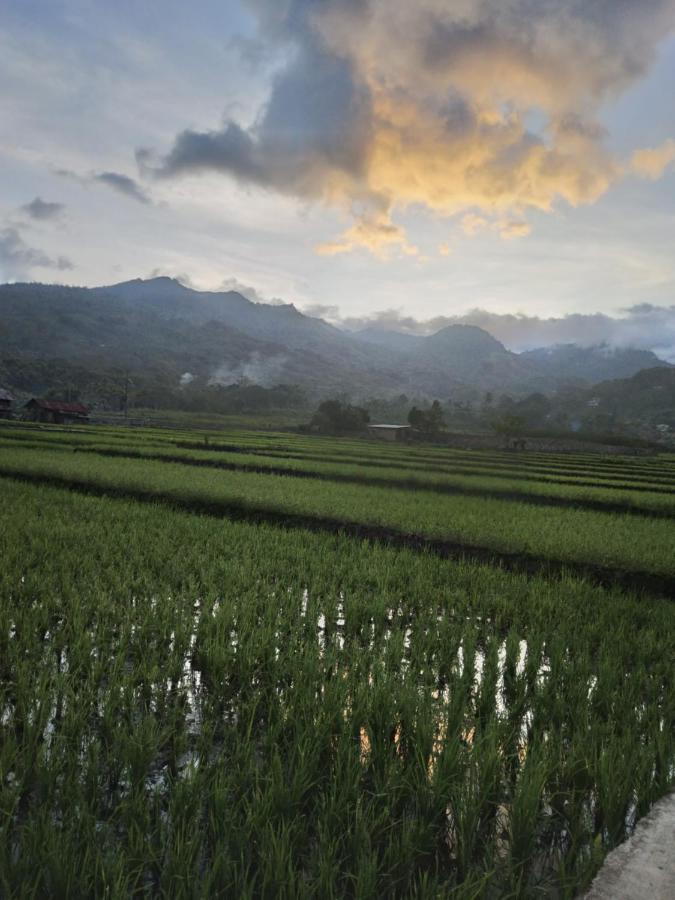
472, 224
375, 233
652, 163
510, 229
477, 108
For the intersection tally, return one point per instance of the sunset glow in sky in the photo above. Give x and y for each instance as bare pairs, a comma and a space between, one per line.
350, 156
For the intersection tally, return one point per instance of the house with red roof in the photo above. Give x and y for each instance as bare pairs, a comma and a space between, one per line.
57, 412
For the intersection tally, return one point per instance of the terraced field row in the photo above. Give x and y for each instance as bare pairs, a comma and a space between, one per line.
399, 467
661, 469
605, 541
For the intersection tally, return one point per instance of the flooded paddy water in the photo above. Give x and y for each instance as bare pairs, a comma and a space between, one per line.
443, 707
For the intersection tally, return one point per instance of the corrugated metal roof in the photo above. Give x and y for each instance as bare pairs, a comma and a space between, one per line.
389, 426
78, 409
5, 395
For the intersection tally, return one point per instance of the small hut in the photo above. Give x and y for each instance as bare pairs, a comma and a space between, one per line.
6, 401
390, 432
56, 412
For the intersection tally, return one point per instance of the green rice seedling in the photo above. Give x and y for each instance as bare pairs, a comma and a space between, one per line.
221, 704
577, 536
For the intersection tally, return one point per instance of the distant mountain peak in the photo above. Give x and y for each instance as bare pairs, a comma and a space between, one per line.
164, 279
160, 323
469, 336
152, 285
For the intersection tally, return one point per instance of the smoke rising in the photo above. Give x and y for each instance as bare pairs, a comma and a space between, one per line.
259, 369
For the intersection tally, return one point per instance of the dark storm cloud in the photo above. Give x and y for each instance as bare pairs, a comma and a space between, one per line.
42, 210
312, 129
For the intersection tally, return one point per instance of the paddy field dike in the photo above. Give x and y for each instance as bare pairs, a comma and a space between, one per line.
262, 665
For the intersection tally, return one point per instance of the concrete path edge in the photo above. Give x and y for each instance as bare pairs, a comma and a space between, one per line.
643, 867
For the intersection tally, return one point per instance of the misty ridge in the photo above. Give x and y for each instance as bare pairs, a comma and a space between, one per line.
643, 326
171, 337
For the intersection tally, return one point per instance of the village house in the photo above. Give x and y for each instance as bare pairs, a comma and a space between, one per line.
56, 412
5, 404
390, 432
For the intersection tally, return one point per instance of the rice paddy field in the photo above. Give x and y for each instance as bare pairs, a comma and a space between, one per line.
255, 665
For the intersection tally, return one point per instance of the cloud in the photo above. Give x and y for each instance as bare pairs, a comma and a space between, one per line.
123, 185
251, 293
169, 272
643, 326
472, 224
376, 233
43, 210
476, 106
322, 311
252, 52
17, 259
652, 163
510, 229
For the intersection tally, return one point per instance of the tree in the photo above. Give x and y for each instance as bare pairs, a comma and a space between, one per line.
509, 425
337, 417
534, 409
428, 421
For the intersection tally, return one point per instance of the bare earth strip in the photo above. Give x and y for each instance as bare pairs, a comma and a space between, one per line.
642, 868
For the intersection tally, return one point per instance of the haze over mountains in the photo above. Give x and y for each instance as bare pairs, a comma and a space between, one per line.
162, 327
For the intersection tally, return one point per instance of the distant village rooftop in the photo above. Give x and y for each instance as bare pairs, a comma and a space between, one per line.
5, 404
56, 411
389, 432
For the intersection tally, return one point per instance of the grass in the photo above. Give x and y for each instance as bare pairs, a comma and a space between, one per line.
192, 706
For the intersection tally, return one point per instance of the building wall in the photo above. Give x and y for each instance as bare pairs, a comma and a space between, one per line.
386, 434
52, 417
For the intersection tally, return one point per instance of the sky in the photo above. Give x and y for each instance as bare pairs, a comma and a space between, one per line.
371, 161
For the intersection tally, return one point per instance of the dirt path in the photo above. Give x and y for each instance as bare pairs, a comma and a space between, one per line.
642, 868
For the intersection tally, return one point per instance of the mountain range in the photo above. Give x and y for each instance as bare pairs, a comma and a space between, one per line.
162, 328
